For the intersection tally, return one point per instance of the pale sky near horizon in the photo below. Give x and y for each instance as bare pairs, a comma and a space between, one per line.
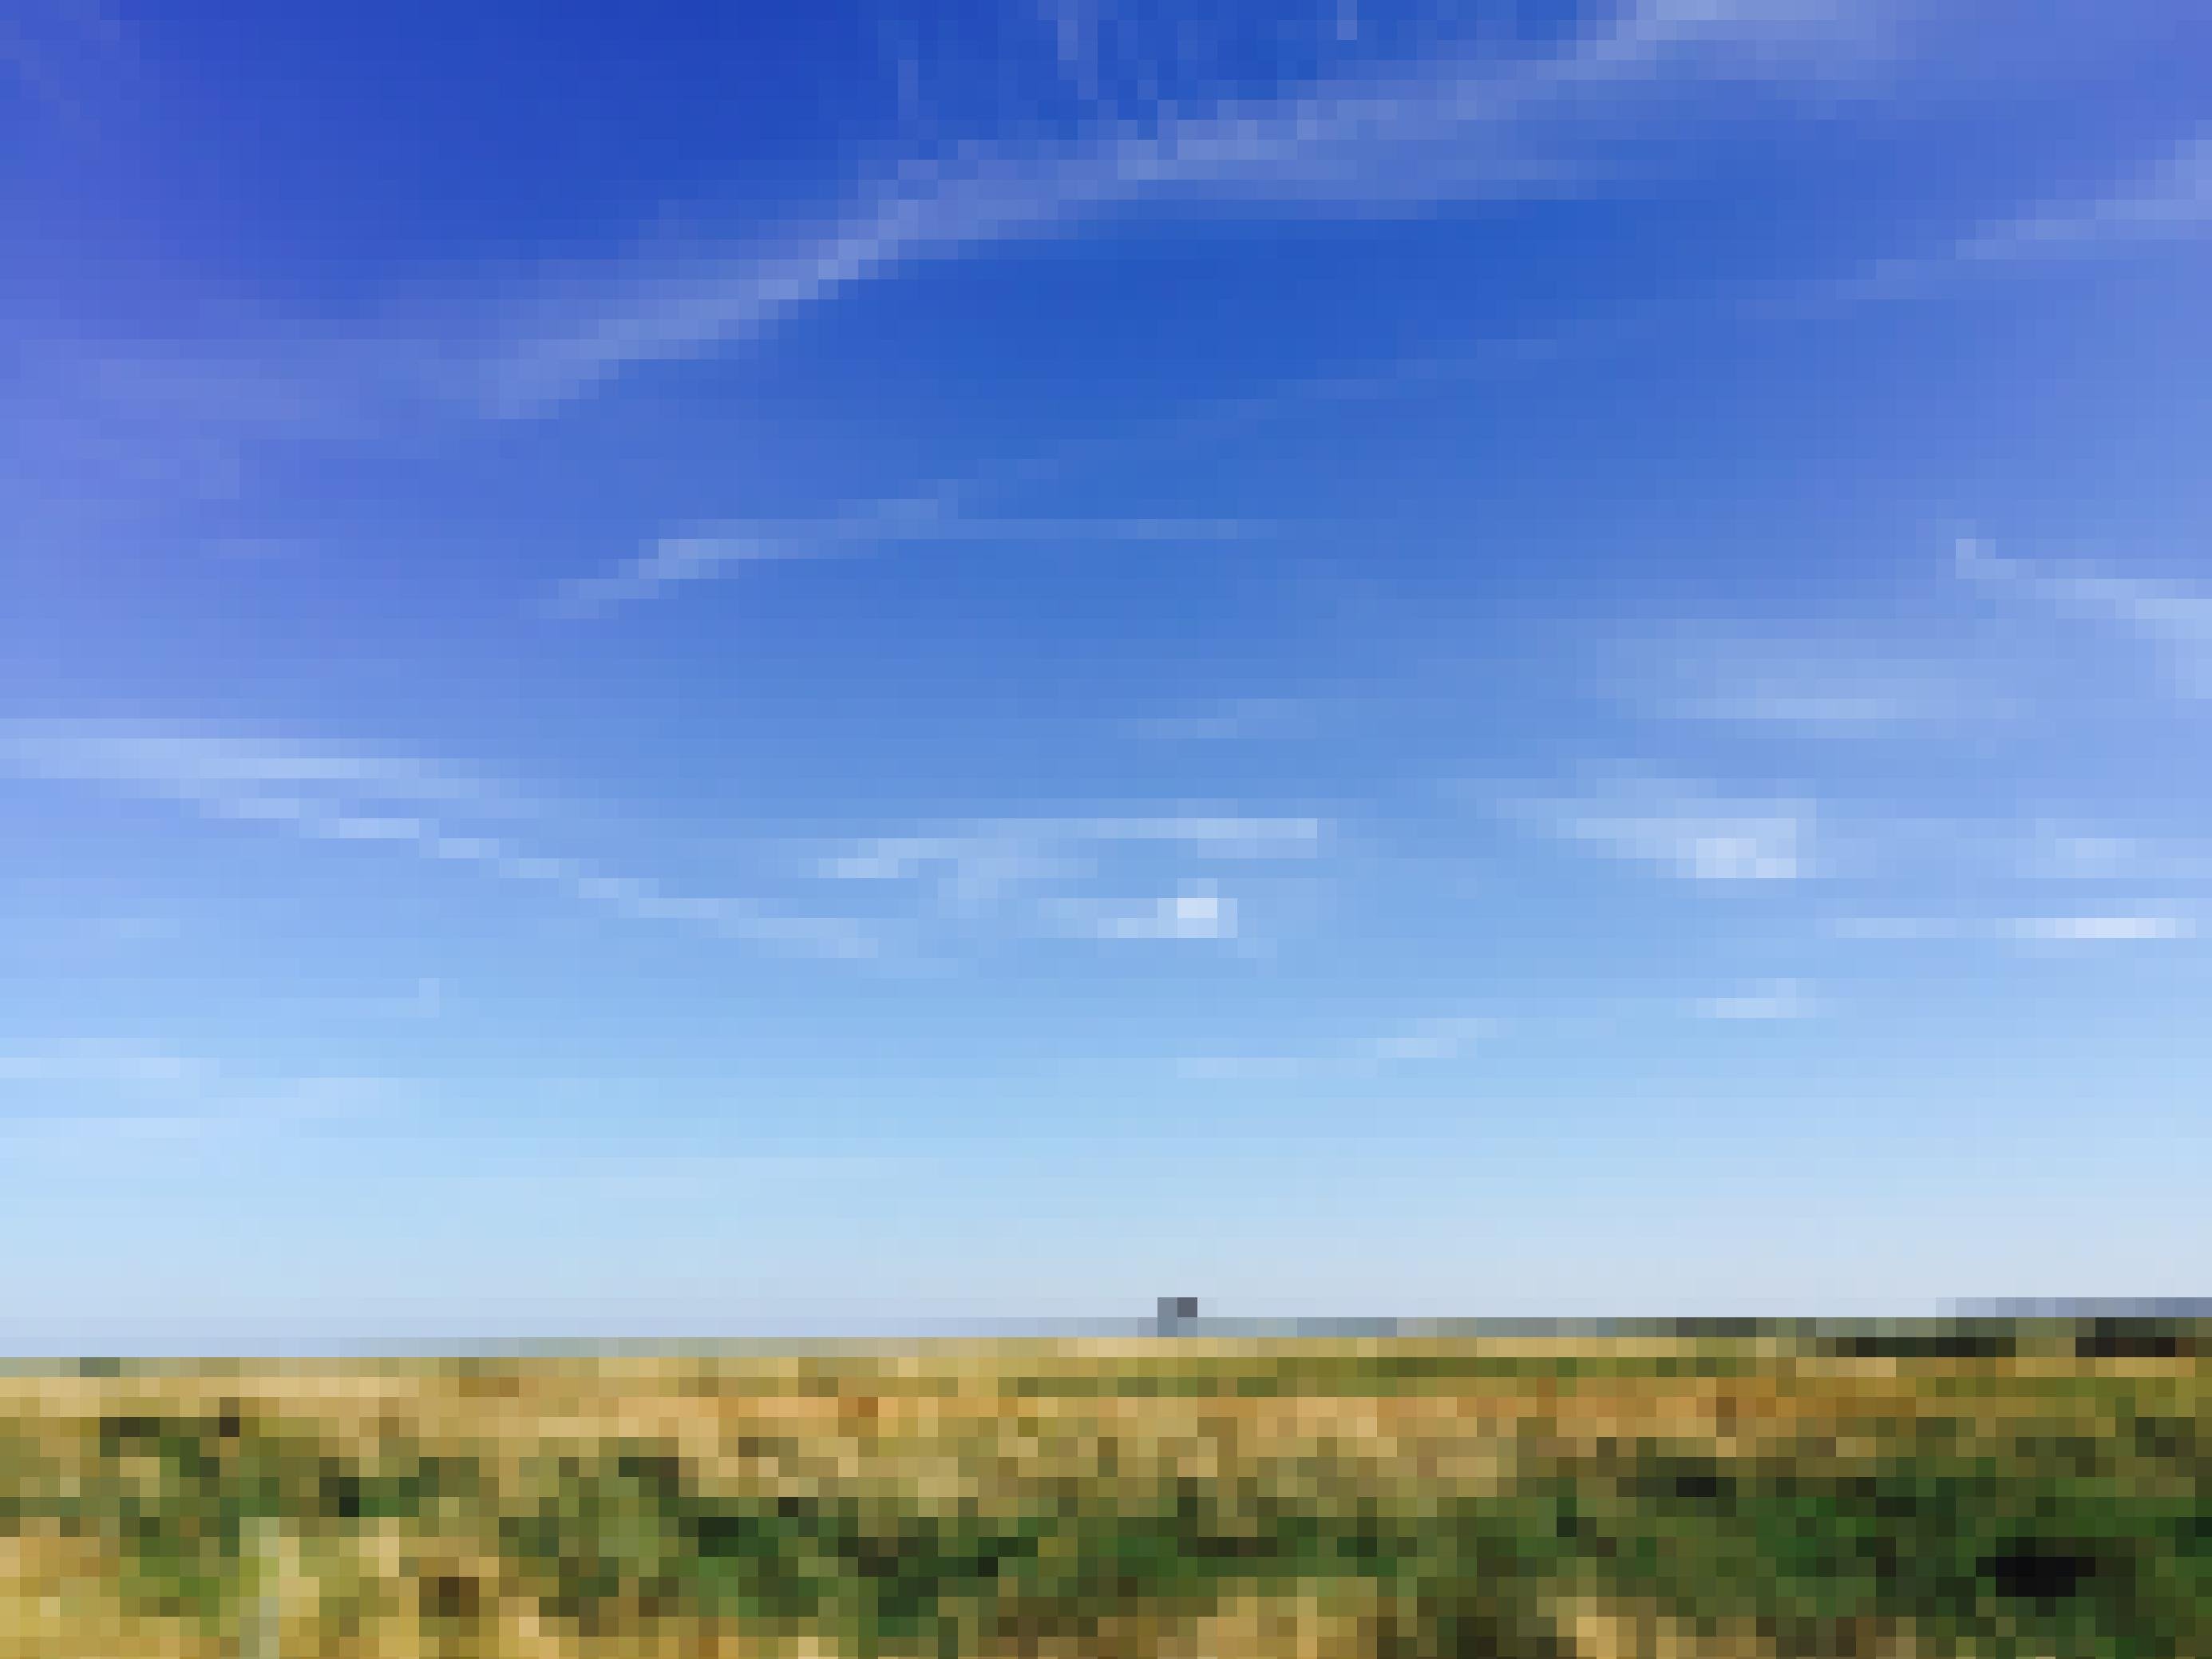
689, 669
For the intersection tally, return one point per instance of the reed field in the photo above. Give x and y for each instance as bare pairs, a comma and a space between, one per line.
2005, 1488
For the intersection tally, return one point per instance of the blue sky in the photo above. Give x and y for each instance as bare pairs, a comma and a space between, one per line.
697, 669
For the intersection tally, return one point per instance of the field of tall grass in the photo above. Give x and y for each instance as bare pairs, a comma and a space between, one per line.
2011, 1488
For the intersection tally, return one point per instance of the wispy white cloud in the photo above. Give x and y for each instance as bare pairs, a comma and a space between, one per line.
2091, 930
104, 434
333, 795
1778, 999
636, 898
124, 1065
1275, 151
1454, 125
1129, 877
1434, 1041
1448, 1038
100, 1088
2175, 618
215, 766
968, 869
713, 550
118, 426
1153, 875
988, 843
2134, 928
1441, 1038
1681, 829
1831, 708
2051, 851
994, 851
2169, 197
2172, 195
1798, 686
1198, 912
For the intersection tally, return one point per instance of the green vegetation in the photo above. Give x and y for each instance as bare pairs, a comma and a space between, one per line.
1858, 1504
